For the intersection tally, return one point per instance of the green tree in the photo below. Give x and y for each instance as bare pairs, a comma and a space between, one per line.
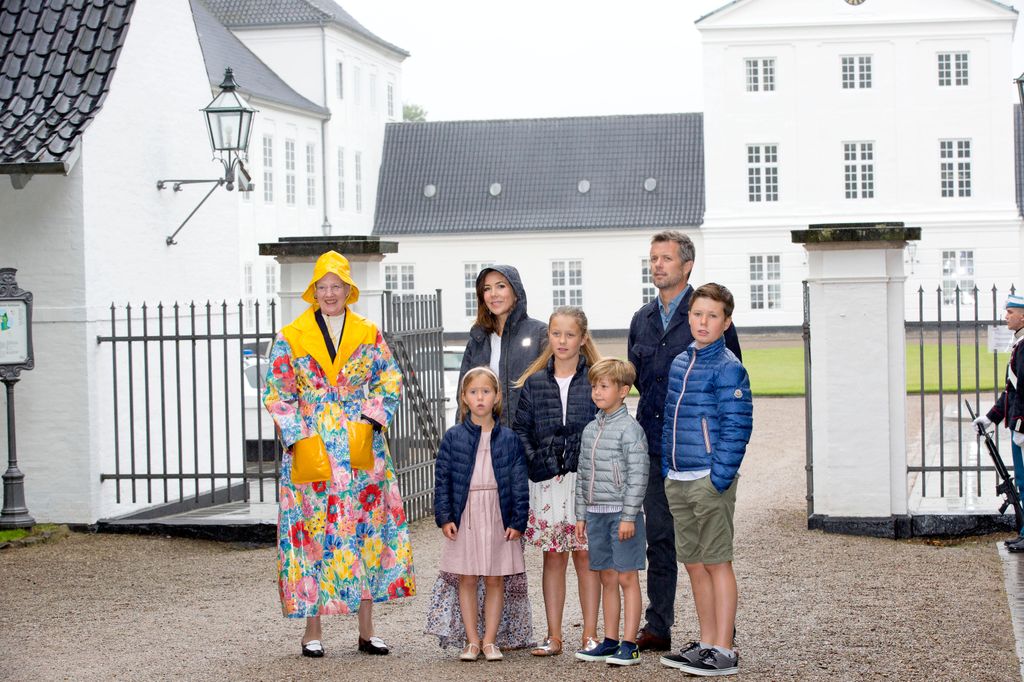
413, 112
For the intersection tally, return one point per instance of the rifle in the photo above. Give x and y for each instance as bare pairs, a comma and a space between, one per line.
1007, 488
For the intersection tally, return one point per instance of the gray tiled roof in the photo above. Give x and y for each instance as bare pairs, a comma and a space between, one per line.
267, 13
222, 49
539, 164
57, 58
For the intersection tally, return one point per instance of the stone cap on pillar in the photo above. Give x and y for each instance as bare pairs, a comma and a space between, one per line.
356, 247
854, 235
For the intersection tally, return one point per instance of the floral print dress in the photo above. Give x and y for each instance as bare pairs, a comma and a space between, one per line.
347, 539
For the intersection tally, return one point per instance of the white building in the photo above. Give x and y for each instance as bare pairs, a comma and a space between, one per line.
817, 111
84, 141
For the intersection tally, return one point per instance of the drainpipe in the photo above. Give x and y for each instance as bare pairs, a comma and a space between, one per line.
326, 226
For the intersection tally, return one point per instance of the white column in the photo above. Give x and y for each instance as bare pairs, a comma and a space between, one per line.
858, 378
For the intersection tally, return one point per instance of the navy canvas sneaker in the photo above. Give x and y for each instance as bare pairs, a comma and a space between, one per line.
599, 652
713, 663
627, 654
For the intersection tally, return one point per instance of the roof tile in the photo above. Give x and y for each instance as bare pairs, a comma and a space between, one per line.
53, 74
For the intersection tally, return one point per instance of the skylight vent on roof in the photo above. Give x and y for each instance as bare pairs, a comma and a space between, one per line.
429, 191
495, 189
584, 186
650, 184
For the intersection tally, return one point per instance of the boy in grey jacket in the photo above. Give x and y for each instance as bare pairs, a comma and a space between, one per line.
611, 481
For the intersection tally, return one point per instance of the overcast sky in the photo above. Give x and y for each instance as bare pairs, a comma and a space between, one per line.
536, 58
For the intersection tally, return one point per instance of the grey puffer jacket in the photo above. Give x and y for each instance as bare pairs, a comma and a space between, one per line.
614, 464
521, 342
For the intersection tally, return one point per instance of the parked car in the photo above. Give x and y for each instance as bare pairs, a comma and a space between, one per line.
452, 365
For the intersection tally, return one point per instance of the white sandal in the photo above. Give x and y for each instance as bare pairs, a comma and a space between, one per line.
492, 652
471, 652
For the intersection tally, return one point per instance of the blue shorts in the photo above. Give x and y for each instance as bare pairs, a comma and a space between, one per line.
605, 549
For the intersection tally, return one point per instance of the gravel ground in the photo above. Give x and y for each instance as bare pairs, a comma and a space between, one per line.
812, 606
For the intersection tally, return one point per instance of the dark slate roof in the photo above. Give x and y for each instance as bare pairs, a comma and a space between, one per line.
272, 13
539, 164
57, 59
222, 49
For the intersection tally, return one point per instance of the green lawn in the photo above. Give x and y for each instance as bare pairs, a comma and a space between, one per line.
780, 371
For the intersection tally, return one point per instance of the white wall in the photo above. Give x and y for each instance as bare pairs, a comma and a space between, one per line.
97, 237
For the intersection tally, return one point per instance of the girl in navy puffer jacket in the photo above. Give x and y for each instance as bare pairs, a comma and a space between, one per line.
554, 407
481, 501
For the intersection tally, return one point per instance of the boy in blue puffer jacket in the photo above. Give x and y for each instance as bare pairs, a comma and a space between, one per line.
708, 420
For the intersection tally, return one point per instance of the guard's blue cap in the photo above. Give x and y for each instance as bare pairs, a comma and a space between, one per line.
1013, 301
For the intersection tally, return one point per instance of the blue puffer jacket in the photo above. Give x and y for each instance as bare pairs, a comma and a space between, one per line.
708, 414
454, 469
551, 447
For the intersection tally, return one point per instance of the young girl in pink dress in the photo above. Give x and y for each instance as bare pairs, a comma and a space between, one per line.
481, 503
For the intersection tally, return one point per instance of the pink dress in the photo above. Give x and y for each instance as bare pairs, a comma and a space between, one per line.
480, 547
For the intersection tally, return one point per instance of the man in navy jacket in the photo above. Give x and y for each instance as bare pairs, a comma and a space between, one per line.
659, 332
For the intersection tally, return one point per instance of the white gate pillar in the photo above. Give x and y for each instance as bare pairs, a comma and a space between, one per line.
858, 376
297, 255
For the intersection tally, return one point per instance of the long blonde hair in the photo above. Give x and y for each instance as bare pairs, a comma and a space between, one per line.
588, 349
495, 384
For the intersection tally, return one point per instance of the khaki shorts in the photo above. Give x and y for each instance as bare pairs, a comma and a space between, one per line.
703, 520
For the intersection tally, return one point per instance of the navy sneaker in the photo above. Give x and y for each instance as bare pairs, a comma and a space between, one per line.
627, 654
599, 652
713, 663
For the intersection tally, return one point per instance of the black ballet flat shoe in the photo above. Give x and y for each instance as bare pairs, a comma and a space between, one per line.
313, 649
374, 646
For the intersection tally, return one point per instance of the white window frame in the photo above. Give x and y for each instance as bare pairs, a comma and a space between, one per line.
648, 292
567, 282
953, 69
400, 277
289, 171
268, 168
341, 178
958, 271
358, 161
340, 80
765, 272
857, 71
469, 273
311, 174
373, 92
357, 85
859, 170
391, 100
760, 73
762, 172
955, 168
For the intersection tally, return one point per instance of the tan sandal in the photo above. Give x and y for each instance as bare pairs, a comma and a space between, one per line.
551, 646
470, 653
492, 652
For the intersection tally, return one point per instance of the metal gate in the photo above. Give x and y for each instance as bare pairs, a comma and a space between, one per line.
188, 425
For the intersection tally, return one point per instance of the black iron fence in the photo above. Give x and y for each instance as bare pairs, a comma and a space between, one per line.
188, 424
957, 351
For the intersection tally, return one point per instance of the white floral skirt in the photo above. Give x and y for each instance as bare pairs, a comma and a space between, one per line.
552, 522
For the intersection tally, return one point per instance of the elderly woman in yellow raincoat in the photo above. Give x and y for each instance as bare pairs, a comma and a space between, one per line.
343, 542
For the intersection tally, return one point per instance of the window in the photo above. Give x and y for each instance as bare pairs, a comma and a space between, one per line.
859, 169
247, 279
958, 271
470, 271
341, 81
391, 100
268, 168
760, 74
953, 69
270, 275
647, 291
249, 317
567, 282
341, 178
359, 181
766, 282
373, 92
399, 278
310, 174
357, 84
955, 167
762, 172
856, 72
289, 172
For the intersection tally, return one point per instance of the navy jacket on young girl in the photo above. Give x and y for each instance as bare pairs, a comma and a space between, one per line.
553, 448
454, 469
